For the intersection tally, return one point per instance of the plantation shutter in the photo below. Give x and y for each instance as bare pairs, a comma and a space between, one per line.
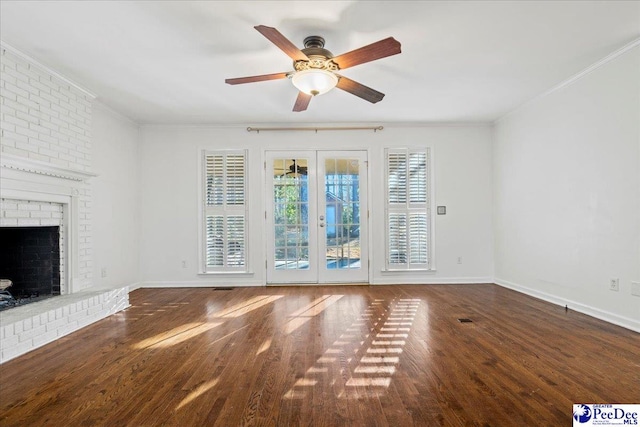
225, 211
408, 212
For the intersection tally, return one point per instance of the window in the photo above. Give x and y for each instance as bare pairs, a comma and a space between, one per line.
225, 211
408, 213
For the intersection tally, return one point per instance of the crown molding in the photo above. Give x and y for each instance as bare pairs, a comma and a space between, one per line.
47, 69
624, 49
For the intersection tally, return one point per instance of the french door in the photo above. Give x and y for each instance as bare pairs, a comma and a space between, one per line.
316, 217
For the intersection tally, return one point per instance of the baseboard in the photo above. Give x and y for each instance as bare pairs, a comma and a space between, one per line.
615, 319
197, 284
431, 280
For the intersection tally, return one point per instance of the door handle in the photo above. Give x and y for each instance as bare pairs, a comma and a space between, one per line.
321, 217
322, 224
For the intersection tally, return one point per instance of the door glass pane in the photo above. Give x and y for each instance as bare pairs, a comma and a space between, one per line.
291, 214
342, 213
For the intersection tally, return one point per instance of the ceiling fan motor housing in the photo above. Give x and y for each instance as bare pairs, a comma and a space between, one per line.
319, 57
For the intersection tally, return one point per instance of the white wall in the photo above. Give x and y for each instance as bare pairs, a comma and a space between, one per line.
567, 193
169, 199
115, 219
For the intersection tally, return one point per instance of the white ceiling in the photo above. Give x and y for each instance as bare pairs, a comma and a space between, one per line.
463, 61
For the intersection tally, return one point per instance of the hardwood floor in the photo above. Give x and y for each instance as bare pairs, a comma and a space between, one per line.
325, 356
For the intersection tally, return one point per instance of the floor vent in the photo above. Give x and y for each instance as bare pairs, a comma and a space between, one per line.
223, 289
465, 320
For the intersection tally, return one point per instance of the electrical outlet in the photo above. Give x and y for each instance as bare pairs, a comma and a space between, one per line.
103, 272
614, 285
635, 288
459, 260
184, 264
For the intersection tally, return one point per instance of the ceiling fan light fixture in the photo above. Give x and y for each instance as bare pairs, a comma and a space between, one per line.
314, 81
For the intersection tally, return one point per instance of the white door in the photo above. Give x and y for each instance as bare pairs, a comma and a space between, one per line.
317, 217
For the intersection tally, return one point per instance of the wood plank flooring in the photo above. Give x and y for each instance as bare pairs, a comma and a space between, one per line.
325, 356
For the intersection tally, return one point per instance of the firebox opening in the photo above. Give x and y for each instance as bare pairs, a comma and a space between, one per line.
30, 259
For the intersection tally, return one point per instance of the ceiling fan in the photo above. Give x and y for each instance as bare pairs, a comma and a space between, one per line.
294, 169
315, 68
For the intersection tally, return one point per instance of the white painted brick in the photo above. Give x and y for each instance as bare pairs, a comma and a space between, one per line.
26, 132
62, 112
40, 129
49, 125
45, 338
36, 103
58, 122
26, 146
8, 135
8, 60
8, 222
8, 111
59, 162
28, 207
27, 87
60, 96
16, 214
28, 222
16, 121
15, 90
10, 79
27, 117
77, 316
52, 100
11, 341
18, 106
27, 70
9, 331
39, 214
55, 324
32, 333
48, 152
68, 328
40, 157
46, 80
41, 87
7, 127
18, 327
27, 324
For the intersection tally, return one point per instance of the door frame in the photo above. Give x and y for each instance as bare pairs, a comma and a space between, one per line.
267, 154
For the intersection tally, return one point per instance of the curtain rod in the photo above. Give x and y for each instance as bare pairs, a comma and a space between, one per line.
316, 129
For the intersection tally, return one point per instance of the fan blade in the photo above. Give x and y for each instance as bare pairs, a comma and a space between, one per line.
252, 79
302, 102
282, 42
377, 50
359, 89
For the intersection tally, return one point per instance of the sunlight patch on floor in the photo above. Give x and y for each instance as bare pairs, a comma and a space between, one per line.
199, 391
264, 347
306, 313
376, 355
247, 306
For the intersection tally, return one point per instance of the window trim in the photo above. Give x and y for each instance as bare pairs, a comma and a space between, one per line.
203, 269
428, 209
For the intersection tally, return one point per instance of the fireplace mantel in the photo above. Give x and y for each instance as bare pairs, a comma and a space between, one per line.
22, 178
18, 163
